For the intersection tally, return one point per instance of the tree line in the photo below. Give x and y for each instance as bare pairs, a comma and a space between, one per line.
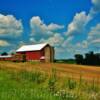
89, 59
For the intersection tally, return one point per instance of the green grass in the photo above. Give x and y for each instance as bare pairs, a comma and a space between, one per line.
23, 86
36, 85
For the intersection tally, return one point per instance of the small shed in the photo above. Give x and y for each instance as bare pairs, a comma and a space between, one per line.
37, 52
5, 57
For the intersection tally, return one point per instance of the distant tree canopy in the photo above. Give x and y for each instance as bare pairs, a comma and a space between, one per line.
13, 53
4, 54
79, 58
69, 61
90, 59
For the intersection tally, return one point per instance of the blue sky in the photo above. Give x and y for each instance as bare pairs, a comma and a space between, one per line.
71, 26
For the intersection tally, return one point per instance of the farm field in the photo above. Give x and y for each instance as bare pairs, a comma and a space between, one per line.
63, 70
43, 81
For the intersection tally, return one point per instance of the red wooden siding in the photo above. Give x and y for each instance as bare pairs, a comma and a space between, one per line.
33, 55
6, 59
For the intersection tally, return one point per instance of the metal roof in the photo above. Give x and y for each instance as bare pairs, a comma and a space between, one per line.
8, 56
34, 47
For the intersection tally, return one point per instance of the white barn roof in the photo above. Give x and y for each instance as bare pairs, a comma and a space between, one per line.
35, 47
6, 56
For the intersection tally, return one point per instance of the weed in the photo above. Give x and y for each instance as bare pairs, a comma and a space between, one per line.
65, 95
52, 81
71, 84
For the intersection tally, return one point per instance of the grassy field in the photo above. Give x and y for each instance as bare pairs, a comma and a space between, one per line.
37, 81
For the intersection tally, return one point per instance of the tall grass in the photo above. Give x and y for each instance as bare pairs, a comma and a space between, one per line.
36, 85
52, 81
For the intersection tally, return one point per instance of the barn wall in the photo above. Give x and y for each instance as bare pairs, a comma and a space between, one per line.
34, 55
6, 59
18, 57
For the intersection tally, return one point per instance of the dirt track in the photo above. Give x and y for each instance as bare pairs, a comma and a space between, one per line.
63, 70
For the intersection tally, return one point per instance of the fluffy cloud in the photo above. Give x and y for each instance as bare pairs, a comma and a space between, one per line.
75, 48
78, 23
53, 26
39, 27
94, 36
93, 39
96, 2
95, 31
80, 20
82, 45
32, 40
56, 40
97, 41
9, 25
96, 6
95, 9
4, 43
67, 41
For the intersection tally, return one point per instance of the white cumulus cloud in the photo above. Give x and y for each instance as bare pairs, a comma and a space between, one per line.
81, 19
55, 40
67, 41
39, 27
95, 8
9, 25
94, 36
4, 43
78, 23
95, 31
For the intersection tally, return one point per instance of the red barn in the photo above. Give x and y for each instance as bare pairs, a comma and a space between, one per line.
38, 52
